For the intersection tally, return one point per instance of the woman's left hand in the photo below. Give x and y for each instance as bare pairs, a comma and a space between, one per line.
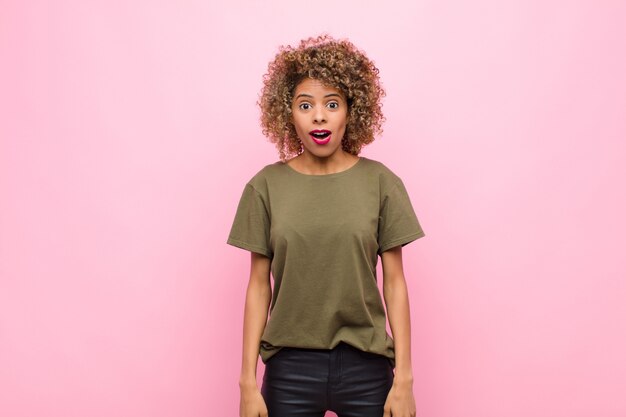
400, 401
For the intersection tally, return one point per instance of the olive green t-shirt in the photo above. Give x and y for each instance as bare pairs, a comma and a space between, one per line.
324, 234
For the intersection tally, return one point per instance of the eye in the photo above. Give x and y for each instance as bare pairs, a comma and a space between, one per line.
333, 105
304, 106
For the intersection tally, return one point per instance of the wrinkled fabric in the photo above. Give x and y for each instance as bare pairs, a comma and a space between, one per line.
324, 235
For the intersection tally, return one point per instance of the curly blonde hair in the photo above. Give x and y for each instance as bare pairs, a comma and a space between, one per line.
336, 63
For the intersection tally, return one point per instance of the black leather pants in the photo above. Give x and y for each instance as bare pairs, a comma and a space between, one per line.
308, 382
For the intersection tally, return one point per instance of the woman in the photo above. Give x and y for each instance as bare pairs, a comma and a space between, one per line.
317, 220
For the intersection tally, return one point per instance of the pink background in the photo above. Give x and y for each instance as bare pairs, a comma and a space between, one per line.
129, 128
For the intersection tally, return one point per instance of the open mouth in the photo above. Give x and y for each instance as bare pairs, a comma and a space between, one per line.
320, 136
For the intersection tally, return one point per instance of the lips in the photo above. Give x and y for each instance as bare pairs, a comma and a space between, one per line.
320, 136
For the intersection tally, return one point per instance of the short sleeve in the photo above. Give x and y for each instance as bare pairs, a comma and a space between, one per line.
251, 226
397, 222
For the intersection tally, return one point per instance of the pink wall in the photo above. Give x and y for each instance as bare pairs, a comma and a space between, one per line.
127, 132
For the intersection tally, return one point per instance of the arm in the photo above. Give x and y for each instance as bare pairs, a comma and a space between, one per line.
400, 401
258, 297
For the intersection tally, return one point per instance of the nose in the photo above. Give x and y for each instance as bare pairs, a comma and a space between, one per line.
319, 116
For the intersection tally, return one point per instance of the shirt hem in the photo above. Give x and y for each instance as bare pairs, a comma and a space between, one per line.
401, 241
247, 246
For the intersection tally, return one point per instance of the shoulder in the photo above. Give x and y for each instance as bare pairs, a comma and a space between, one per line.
266, 175
380, 170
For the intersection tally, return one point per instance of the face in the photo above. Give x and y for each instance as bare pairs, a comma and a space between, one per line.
319, 114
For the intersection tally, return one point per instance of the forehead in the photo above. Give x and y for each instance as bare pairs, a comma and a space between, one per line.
315, 88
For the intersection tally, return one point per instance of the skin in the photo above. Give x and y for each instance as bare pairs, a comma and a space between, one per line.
258, 297
317, 106
400, 401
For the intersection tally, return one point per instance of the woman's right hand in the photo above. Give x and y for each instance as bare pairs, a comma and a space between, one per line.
258, 298
251, 403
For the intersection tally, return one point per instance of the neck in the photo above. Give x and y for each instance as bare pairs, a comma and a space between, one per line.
315, 165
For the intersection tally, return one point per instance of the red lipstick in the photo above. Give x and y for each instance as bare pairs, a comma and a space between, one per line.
320, 136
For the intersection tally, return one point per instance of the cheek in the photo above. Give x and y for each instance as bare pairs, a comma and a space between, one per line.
298, 127
294, 121
345, 122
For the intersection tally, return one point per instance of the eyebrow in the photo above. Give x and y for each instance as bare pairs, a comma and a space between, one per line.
310, 96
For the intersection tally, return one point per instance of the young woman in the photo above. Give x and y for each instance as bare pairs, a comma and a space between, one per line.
318, 220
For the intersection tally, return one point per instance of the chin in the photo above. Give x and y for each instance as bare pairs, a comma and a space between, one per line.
323, 154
